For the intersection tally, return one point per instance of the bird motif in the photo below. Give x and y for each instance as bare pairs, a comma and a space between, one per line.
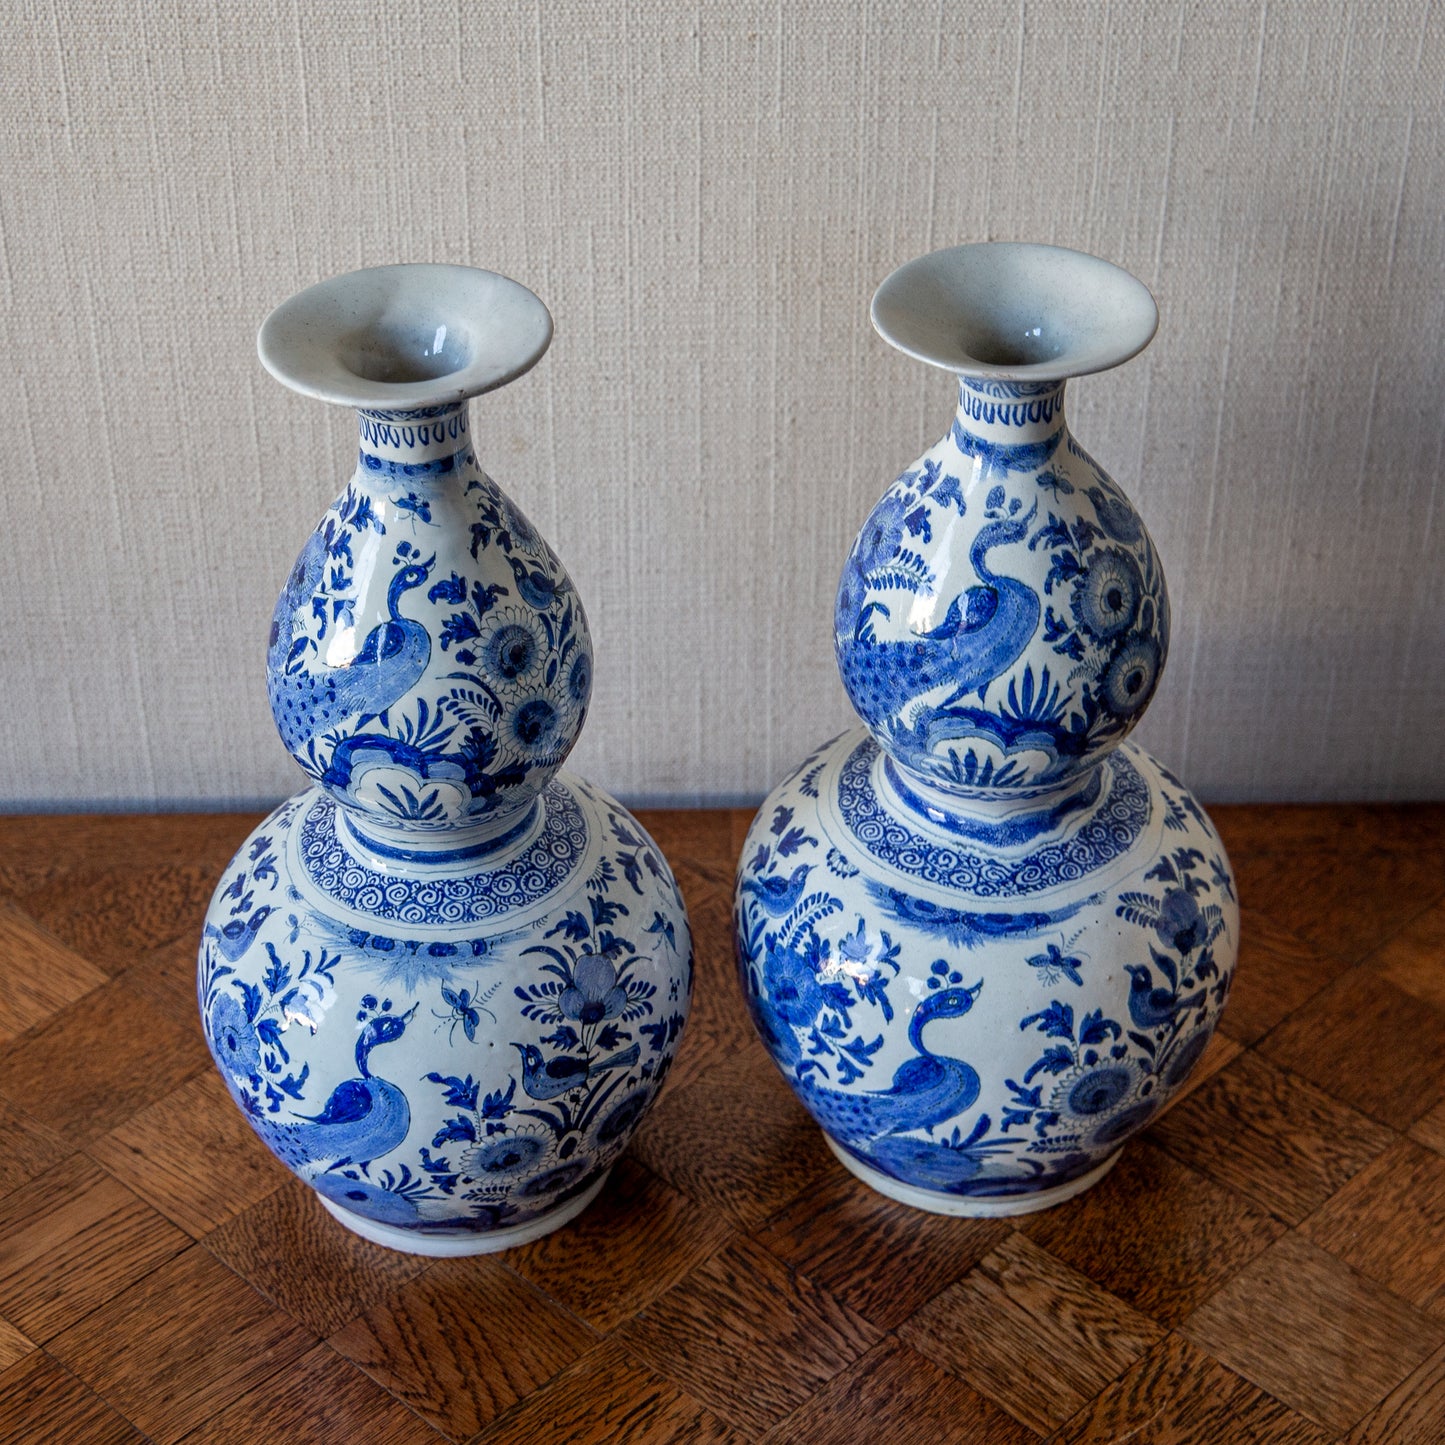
926, 1090
232, 939
779, 895
982, 634
389, 662
1151, 1004
547, 1078
536, 588
365, 1117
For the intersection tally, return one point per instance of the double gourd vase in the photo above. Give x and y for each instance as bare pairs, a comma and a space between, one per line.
984, 936
445, 981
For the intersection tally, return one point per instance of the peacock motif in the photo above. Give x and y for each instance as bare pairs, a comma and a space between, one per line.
927, 1090
984, 631
388, 664
364, 1118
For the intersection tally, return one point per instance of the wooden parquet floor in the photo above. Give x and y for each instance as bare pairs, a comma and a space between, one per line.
1267, 1263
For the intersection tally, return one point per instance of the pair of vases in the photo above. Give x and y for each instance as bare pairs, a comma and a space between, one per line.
983, 937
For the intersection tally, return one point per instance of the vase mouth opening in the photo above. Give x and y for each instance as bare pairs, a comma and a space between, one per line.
401, 337
1015, 311
402, 352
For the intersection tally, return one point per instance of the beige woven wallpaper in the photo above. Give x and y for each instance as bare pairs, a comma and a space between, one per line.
706, 196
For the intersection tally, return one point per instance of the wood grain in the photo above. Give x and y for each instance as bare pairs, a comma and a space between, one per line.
321, 1398
737, 1140
38, 976
1277, 971
239, 1169
72, 1239
650, 1235
880, 1258
463, 1342
1368, 1043
1314, 1333
608, 1398
1271, 1137
1266, 1265
111, 916
27, 1147
893, 1393
1037, 1337
1156, 1233
1411, 1414
1178, 1395
13, 1345
747, 1336
41, 1403
343, 1276
1429, 1128
1389, 1223
92, 1065
1411, 960
208, 1338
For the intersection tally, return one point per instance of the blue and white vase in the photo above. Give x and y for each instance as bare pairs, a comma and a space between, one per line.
984, 937
446, 980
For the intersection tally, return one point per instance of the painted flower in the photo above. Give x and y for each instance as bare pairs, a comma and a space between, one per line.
1181, 922
1186, 1056
792, 987
511, 647
554, 1180
1095, 1090
233, 1038
359, 1196
620, 1120
534, 727
579, 678
1107, 597
504, 1156
1118, 1126
595, 993
525, 537
1128, 681
883, 532
878, 543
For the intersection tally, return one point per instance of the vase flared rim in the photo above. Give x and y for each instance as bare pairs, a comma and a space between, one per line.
1015, 311
398, 338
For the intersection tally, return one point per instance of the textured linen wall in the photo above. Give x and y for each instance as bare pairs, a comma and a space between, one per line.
706, 197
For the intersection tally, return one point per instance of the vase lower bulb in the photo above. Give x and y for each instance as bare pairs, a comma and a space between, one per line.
452, 1057
980, 1008
984, 937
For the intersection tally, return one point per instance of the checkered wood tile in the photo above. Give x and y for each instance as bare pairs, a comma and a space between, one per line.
1266, 1264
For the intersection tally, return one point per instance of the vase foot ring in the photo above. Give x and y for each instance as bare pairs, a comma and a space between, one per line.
447, 1246
977, 1206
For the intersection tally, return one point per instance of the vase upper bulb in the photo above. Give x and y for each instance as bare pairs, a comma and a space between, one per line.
1002, 619
486, 647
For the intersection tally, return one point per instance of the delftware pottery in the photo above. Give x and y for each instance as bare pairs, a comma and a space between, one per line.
985, 937
445, 981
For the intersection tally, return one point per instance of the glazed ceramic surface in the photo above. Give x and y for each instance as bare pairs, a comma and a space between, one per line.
984, 937
445, 981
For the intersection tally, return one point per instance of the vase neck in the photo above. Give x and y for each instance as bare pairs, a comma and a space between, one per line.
1009, 413
425, 443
